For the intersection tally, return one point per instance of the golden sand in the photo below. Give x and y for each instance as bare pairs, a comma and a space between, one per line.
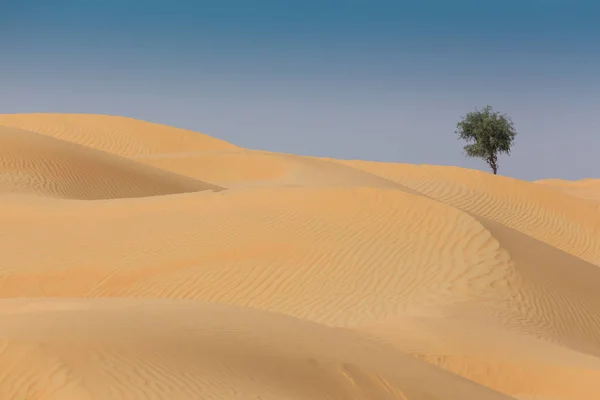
141, 261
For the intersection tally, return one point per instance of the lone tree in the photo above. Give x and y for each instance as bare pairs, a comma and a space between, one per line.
489, 133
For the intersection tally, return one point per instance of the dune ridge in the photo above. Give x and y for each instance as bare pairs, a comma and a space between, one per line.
123, 136
136, 252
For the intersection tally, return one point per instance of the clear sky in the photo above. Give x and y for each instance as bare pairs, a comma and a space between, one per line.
371, 79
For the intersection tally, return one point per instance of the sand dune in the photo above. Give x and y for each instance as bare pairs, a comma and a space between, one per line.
144, 349
545, 334
588, 189
34, 164
119, 135
204, 270
559, 219
243, 168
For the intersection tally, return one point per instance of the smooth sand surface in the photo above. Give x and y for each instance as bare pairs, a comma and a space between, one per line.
588, 189
141, 261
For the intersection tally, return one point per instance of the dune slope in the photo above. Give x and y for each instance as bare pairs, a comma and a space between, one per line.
286, 276
144, 349
567, 222
588, 189
31, 163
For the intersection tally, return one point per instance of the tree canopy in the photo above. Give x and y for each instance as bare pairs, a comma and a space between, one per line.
488, 134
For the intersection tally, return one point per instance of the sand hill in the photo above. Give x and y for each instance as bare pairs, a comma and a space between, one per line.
141, 261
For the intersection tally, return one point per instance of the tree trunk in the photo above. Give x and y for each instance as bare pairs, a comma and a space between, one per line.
493, 161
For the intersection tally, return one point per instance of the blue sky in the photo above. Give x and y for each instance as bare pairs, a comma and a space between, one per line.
370, 79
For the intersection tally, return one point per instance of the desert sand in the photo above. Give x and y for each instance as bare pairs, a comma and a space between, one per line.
142, 261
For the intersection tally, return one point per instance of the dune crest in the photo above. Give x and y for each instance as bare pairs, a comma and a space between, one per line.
205, 270
113, 134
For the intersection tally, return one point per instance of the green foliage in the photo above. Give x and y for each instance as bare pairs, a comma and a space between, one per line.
488, 133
